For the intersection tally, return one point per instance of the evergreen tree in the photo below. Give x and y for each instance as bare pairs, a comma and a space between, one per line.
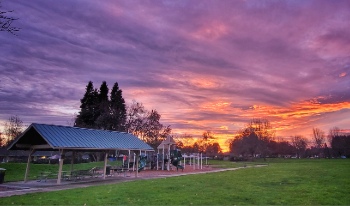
88, 113
103, 95
104, 118
117, 109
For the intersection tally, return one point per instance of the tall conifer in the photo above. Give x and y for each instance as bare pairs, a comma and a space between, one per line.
118, 109
103, 120
87, 115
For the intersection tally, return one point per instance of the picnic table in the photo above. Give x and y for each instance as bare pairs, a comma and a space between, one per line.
120, 170
43, 176
81, 174
71, 175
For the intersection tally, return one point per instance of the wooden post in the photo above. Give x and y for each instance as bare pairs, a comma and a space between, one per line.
59, 176
28, 165
129, 161
105, 165
168, 163
72, 161
184, 163
163, 158
137, 165
157, 160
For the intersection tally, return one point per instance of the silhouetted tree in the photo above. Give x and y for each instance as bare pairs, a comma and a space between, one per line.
12, 128
100, 112
6, 22
213, 149
103, 120
118, 109
146, 125
333, 132
89, 108
253, 139
341, 145
207, 138
184, 142
154, 132
97, 111
319, 140
300, 144
136, 118
280, 149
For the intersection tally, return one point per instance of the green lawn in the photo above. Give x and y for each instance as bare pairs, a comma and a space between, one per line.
16, 171
282, 182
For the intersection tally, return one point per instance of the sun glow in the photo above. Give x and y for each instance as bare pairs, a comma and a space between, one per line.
295, 119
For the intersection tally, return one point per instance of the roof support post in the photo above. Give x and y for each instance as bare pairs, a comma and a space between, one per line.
137, 165
129, 160
59, 176
28, 165
168, 163
184, 163
163, 159
72, 161
157, 160
105, 165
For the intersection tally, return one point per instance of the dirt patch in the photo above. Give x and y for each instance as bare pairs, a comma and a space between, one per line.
7, 188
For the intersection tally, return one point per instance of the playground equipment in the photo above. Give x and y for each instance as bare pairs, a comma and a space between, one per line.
176, 157
164, 157
142, 162
195, 160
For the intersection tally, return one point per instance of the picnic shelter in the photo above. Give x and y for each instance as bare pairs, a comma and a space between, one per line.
44, 137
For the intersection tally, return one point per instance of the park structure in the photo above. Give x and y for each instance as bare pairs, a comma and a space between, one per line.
44, 137
169, 154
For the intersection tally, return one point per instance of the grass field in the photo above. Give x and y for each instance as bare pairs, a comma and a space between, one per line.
16, 171
282, 182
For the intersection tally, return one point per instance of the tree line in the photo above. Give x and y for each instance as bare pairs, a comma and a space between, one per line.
107, 110
206, 144
258, 139
101, 109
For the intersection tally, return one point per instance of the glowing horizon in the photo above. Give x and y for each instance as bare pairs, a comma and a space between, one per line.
213, 65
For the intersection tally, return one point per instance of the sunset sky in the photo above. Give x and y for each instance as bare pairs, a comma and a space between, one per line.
202, 64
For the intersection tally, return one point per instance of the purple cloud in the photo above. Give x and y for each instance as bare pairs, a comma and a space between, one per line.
202, 64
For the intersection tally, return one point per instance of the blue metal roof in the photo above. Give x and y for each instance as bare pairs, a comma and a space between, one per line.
61, 137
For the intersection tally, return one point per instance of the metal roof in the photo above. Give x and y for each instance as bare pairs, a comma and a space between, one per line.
168, 141
64, 137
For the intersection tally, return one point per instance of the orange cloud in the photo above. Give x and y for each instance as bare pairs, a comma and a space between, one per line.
298, 118
213, 30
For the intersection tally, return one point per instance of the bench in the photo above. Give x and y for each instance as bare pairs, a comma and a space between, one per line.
121, 170
46, 175
81, 174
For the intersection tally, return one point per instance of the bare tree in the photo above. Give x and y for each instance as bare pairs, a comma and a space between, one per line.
333, 132
253, 139
135, 118
6, 22
13, 128
262, 128
300, 144
146, 125
319, 139
208, 137
1, 140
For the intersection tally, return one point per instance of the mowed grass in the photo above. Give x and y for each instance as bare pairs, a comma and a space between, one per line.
16, 171
282, 182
